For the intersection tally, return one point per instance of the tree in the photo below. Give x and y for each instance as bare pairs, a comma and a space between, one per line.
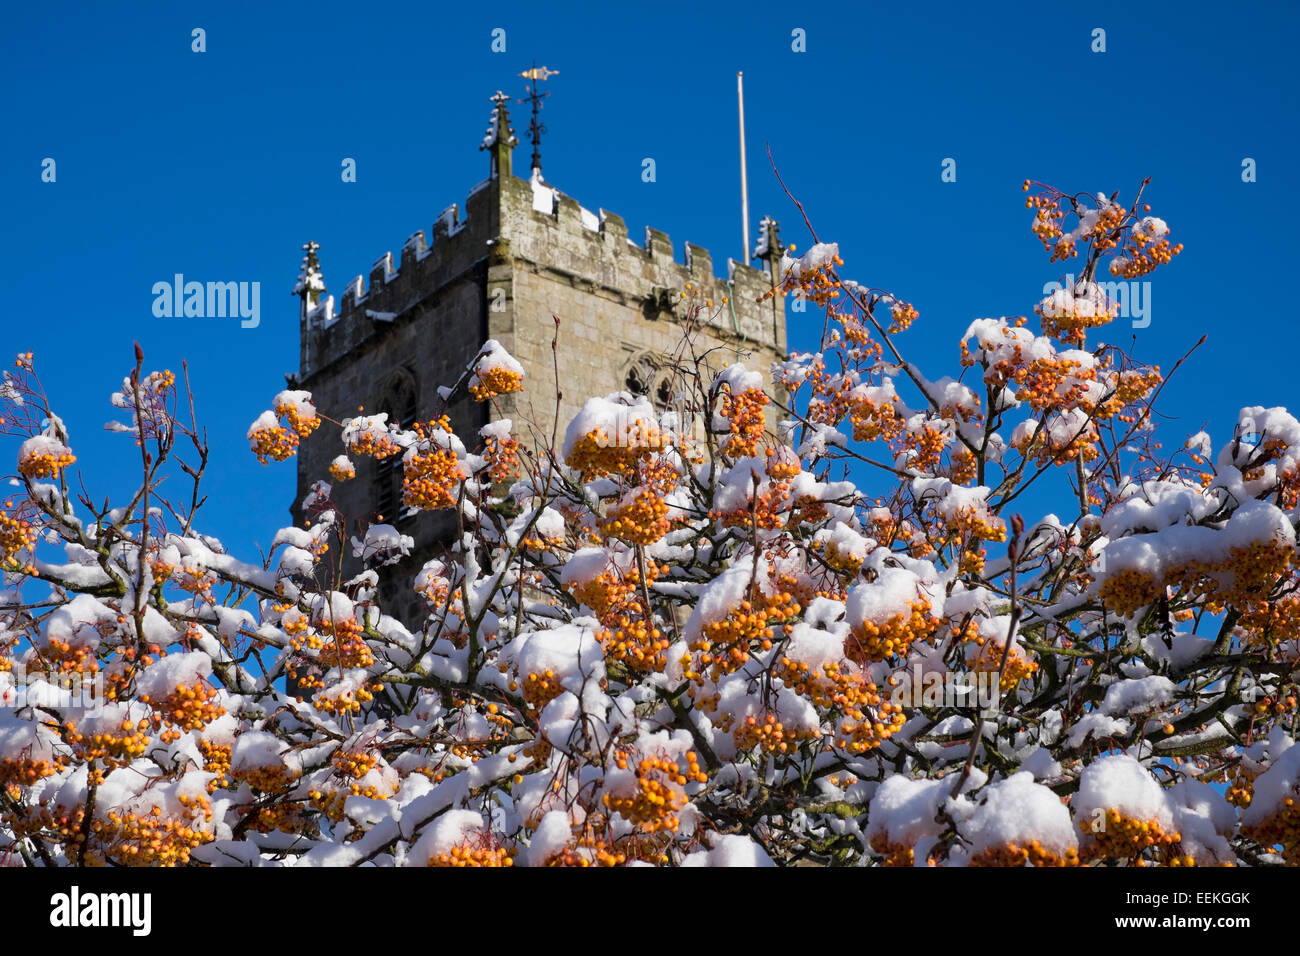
682, 636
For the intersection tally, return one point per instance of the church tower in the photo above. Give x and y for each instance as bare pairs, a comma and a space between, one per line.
521, 255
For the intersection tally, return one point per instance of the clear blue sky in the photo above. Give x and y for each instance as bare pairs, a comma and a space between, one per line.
220, 165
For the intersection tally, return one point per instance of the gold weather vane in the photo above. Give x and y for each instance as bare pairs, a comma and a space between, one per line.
535, 128
539, 73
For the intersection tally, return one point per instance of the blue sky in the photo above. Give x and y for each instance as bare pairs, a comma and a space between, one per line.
219, 165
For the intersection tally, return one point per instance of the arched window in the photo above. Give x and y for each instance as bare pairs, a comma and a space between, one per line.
400, 404
649, 375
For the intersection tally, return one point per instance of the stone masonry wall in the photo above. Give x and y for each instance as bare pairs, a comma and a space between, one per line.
615, 302
521, 255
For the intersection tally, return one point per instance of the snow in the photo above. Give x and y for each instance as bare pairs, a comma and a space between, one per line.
383, 544
954, 502
1204, 820
819, 256
814, 646
842, 542
1077, 300
374, 427
623, 421
264, 422
903, 811
45, 445
260, 750
385, 262
723, 596
1151, 227
452, 828
1000, 343
163, 677
551, 837
888, 596
544, 196
1146, 695
730, 849
1200, 444
1097, 724
738, 379
1016, 811
498, 430
75, 622
1183, 649
1153, 505
299, 401
27, 737
493, 356
446, 221
1277, 784
761, 249
550, 524
1041, 764
587, 564
570, 651
1118, 782
1158, 552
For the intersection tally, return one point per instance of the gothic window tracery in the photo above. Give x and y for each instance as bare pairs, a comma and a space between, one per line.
649, 375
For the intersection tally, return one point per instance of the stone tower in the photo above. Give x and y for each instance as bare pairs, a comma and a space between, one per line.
522, 254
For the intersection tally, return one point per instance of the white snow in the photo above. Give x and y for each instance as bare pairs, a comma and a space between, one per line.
1118, 782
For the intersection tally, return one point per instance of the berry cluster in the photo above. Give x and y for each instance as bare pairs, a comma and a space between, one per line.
724, 646
190, 707
596, 454
653, 804
769, 735
866, 718
817, 283
1033, 854
870, 642
1122, 837
299, 416
482, 852
16, 536
273, 441
641, 520
45, 459
342, 469
151, 839
745, 421
491, 382
502, 455
25, 771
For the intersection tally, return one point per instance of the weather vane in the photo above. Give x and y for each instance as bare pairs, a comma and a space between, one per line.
535, 128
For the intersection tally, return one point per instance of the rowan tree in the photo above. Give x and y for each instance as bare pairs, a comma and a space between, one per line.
686, 635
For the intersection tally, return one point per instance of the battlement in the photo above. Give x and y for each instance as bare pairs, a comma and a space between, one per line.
504, 264
532, 226
551, 231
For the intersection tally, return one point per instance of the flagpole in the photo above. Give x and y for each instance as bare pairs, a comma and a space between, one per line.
744, 179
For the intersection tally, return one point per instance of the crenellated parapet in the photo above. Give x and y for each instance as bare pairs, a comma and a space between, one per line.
530, 225
338, 324
552, 232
